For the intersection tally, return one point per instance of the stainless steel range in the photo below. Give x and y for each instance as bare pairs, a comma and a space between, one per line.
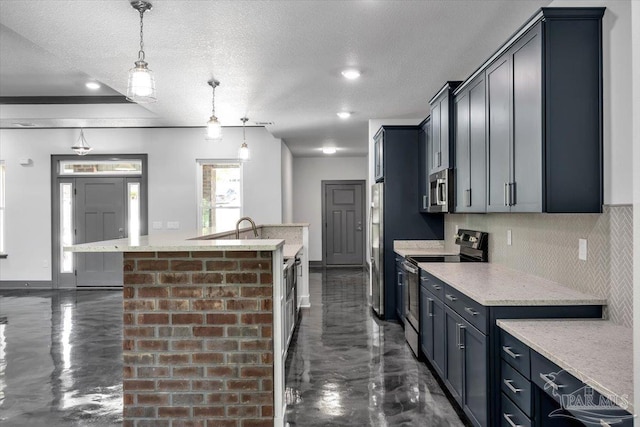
473, 248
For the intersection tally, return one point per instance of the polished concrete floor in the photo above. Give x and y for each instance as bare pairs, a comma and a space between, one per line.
61, 361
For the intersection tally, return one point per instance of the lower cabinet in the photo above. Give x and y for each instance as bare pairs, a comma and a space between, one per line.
432, 329
399, 290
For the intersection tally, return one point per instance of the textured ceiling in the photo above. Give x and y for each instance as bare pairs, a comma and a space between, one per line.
277, 61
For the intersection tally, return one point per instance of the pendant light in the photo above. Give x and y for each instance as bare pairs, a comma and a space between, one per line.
243, 152
214, 128
142, 85
81, 147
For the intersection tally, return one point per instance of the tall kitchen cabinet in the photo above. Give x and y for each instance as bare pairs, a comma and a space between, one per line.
424, 150
544, 115
442, 134
401, 218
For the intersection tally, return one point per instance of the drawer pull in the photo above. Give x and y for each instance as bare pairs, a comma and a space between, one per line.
430, 307
548, 381
436, 287
509, 384
603, 423
509, 352
471, 311
510, 421
451, 298
424, 279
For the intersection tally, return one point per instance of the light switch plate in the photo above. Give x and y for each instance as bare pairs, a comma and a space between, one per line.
582, 249
173, 225
508, 237
156, 225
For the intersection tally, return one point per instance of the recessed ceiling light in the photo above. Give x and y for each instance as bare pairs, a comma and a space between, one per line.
329, 150
24, 125
344, 114
351, 74
92, 85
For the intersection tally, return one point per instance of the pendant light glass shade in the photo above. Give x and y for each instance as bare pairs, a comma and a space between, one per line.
243, 152
214, 128
141, 86
81, 147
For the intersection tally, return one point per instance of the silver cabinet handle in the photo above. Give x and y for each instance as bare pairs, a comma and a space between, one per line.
424, 279
467, 196
430, 307
509, 352
458, 335
425, 200
510, 421
548, 381
471, 311
506, 194
603, 423
451, 298
436, 287
512, 193
510, 386
410, 268
462, 343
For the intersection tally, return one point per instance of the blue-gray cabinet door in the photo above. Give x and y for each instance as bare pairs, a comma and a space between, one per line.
462, 180
454, 354
426, 323
476, 378
477, 146
439, 337
436, 138
424, 148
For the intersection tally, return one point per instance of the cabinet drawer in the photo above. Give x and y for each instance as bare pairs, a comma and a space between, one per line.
473, 312
511, 416
515, 353
517, 387
432, 284
552, 379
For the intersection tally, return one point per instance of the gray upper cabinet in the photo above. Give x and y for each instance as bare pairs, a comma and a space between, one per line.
424, 141
441, 106
470, 147
543, 108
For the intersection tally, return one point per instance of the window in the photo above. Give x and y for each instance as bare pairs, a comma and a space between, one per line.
2, 208
100, 167
219, 194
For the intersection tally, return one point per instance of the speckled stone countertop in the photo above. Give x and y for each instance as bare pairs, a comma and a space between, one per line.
421, 247
289, 251
493, 284
597, 352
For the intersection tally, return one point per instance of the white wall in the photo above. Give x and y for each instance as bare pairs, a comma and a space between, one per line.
287, 184
308, 172
635, 85
172, 154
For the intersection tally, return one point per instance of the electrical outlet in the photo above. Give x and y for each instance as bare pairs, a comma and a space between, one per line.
582, 249
156, 225
173, 225
508, 237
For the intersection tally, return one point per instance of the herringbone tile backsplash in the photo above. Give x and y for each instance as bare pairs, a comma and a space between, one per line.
546, 245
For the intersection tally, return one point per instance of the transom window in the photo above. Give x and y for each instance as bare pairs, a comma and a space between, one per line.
101, 167
2, 209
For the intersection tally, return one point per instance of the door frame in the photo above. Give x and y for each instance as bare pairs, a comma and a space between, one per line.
324, 184
55, 199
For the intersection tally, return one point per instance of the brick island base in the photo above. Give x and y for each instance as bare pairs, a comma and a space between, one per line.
198, 339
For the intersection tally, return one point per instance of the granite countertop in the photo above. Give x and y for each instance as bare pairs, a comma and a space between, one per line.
406, 248
405, 252
493, 284
597, 352
291, 250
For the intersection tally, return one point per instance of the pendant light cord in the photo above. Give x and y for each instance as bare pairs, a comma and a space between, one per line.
141, 51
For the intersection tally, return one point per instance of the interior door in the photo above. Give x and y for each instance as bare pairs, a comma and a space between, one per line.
100, 213
344, 223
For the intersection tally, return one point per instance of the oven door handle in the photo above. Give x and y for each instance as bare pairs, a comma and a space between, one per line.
409, 267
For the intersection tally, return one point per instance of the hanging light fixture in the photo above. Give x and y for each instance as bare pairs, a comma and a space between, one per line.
243, 152
214, 128
142, 85
81, 147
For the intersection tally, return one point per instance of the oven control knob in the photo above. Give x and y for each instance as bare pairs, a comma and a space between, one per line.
473, 239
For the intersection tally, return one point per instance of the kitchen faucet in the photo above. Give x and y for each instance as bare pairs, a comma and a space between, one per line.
253, 226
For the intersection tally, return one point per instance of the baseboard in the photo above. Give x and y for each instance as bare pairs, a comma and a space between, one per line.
304, 301
315, 264
26, 284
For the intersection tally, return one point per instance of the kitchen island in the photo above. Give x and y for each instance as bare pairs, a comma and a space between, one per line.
203, 338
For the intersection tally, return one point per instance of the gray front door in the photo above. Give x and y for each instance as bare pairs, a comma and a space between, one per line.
343, 219
100, 215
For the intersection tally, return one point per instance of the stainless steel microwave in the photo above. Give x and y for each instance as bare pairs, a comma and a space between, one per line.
441, 191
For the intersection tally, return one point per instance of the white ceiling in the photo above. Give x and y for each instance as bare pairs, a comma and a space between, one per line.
277, 61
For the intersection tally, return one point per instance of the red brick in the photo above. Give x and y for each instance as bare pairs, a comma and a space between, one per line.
266, 305
152, 265
128, 265
221, 265
241, 278
153, 345
208, 331
188, 423
255, 371
173, 278
152, 372
257, 398
153, 292
186, 292
128, 423
138, 279
266, 254
174, 359
222, 371
241, 254
187, 398
128, 372
153, 319
139, 305
267, 384
151, 423
127, 399
221, 292
207, 385
223, 398
207, 254
173, 411
244, 358
208, 358
186, 345
128, 344
255, 345
260, 264
186, 318
129, 255
242, 304
222, 345
207, 304
128, 319
169, 385
130, 385
206, 278
256, 318
267, 358
257, 423
243, 331
190, 265
222, 319
174, 304
189, 371
138, 359
242, 385
242, 411
256, 291
266, 278
128, 292
222, 423
208, 411
267, 332
173, 254
267, 411
174, 331
139, 412
153, 399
